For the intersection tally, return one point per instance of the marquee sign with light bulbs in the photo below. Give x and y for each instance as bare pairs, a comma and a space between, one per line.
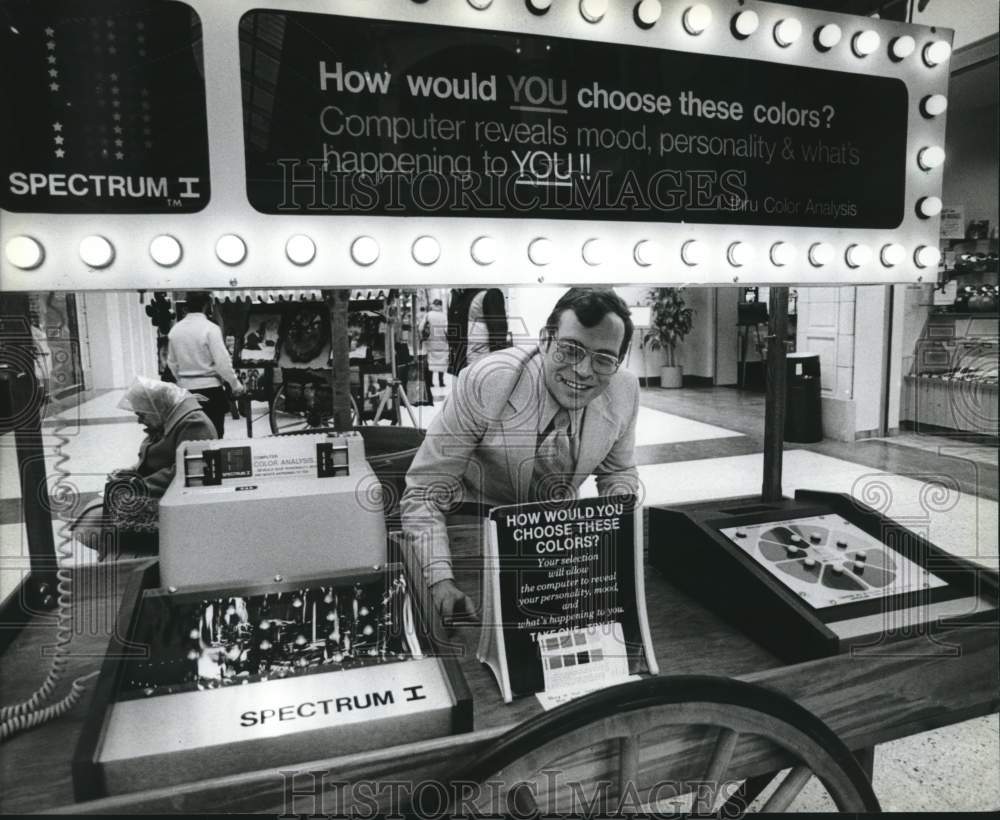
341, 143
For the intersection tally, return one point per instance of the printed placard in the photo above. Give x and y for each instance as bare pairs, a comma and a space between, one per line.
378, 117
563, 596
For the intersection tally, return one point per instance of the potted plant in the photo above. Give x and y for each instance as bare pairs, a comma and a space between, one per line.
671, 322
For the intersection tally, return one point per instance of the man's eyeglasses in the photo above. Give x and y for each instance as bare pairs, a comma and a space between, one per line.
603, 364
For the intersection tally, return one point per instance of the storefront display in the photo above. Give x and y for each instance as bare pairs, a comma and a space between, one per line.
649, 151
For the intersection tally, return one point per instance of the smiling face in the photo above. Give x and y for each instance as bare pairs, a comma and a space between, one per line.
576, 385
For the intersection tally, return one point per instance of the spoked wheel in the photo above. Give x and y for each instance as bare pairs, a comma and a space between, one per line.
682, 743
303, 407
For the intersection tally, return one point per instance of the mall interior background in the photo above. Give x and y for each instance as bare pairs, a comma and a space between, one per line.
872, 342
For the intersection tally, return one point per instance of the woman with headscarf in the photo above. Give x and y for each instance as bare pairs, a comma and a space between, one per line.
169, 414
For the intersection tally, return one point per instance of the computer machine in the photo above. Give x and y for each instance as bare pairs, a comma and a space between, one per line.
272, 630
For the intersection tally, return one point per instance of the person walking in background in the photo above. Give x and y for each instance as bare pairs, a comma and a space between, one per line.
198, 358
487, 325
436, 341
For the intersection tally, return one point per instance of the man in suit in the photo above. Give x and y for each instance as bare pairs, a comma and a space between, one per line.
527, 425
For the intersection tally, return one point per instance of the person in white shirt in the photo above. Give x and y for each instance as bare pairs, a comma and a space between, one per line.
199, 360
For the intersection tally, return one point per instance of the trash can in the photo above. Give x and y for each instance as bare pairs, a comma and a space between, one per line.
803, 407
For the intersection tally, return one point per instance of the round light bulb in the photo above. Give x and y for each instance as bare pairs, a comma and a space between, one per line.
697, 18
484, 250
865, 43
829, 35
693, 252
857, 256
930, 157
739, 254
647, 252
746, 23
649, 11
902, 47
480, 4
936, 53
230, 249
820, 254
594, 252
787, 31
934, 105
893, 254
426, 250
540, 251
539, 6
927, 256
782, 253
300, 249
97, 252
593, 10
165, 250
365, 250
24, 252
929, 206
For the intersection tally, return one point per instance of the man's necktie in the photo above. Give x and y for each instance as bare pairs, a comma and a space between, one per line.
552, 476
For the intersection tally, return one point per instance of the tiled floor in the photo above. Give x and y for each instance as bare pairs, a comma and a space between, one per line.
691, 445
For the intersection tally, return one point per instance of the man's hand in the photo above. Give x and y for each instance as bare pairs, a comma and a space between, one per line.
452, 604
239, 389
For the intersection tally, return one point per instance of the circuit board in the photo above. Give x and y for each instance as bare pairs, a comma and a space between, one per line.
206, 642
828, 561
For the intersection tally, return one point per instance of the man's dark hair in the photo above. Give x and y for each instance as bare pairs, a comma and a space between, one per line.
591, 305
196, 300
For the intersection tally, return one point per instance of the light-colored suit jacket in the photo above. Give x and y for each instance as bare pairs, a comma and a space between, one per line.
481, 448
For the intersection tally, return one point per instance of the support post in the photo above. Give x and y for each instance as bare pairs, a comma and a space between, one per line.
340, 358
776, 393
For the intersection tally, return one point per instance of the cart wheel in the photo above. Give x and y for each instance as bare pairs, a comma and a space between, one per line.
301, 415
664, 739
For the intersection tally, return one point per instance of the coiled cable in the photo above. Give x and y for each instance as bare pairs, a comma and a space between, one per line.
33, 712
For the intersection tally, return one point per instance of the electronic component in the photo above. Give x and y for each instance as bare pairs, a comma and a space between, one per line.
818, 575
252, 510
214, 681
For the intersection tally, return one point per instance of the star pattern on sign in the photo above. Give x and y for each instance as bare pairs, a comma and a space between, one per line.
50, 32
112, 50
58, 140
116, 116
119, 155
51, 58
60, 153
50, 45
53, 72
118, 143
57, 126
118, 129
53, 86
